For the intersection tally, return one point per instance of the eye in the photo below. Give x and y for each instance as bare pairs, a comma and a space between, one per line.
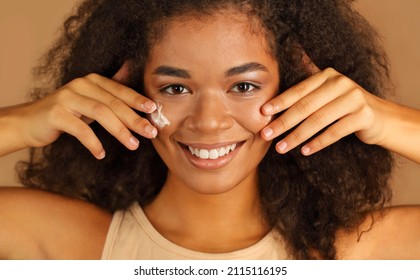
174, 90
245, 88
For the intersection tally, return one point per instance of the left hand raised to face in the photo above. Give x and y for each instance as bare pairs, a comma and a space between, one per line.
328, 100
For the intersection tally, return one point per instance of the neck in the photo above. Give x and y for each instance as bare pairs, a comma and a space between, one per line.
213, 223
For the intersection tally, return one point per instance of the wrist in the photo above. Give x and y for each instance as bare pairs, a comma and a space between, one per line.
11, 138
402, 131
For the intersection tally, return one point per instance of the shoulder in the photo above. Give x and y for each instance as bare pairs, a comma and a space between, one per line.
37, 224
393, 233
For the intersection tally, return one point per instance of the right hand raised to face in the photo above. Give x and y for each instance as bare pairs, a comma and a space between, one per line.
74, 106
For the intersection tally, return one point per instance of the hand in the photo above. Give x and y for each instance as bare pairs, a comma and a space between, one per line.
328, 100
91, 98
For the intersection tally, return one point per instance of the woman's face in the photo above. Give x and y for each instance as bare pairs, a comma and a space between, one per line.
211, 76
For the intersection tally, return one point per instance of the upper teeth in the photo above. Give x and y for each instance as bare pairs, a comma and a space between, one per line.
213, 153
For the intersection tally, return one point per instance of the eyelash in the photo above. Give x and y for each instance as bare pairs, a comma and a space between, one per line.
183, 90
172, 87
248, 91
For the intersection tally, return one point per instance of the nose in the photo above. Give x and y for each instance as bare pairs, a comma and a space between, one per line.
210, 113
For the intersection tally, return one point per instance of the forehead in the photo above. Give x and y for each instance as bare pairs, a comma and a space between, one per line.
227, 35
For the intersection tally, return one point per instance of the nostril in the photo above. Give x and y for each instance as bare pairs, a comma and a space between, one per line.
210, 123
210, 112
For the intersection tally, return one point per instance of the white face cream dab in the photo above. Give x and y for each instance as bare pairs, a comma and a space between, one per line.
158, 118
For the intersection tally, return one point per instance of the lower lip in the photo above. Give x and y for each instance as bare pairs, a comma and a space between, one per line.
211, 164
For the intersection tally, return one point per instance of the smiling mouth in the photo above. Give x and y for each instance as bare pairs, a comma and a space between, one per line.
211, 153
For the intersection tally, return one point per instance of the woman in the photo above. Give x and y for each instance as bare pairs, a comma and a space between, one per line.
211, 184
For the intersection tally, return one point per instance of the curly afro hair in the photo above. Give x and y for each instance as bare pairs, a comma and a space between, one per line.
307, 199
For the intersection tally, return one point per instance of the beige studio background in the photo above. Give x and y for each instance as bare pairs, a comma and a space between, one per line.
28, 27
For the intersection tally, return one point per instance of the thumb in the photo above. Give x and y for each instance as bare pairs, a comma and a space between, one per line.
123, 74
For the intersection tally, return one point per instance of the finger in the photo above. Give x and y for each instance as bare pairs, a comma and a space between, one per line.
74, 126
319, 120
297, 92
128, 117
306, 106
334, 133
124, 93
280, 103
122, 76
101, 113
131, 119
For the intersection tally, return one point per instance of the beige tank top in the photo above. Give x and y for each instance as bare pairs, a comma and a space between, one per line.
132, 236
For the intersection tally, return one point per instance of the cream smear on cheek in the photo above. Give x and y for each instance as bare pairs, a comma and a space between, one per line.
158, 118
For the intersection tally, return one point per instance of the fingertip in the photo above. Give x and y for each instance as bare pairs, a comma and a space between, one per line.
151, 131
267, 109
101, 155
148, 106
306, 150
281, 147
267, 133
133, 143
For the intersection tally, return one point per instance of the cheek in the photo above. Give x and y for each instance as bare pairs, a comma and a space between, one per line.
171, 114
248, 115
174, 111
158, 118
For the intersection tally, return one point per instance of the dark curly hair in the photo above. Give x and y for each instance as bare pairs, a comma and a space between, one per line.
307, 199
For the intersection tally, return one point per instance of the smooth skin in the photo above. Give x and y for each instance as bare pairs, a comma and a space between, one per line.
327, 97
71, 108
40, 225
202, 208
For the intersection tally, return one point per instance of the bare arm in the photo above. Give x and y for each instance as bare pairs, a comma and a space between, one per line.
42, 225
330, 100
11, 139
71, 108
394, 235
402, 128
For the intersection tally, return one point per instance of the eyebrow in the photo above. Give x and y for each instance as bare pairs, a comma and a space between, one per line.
245, 68
166, 70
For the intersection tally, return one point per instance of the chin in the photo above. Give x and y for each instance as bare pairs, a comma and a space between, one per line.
216, 184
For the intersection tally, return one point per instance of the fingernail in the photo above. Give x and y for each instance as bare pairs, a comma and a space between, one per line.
151, 130
134, 142
268, 108
150, 106
268, 132
281, 146
306, 150
101, 155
